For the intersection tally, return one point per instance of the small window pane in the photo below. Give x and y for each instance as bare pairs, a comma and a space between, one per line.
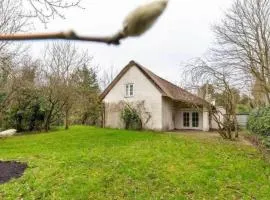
127, 90
186, 119
195, 119
131, 89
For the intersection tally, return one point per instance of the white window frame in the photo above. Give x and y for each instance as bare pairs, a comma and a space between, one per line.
184, 119
190, 118
128, 90
196, 119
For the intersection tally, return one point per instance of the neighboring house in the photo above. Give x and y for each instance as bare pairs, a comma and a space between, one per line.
165, 105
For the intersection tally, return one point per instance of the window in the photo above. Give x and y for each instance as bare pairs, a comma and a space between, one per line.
191, 120
195, 119
186, 119
130, 90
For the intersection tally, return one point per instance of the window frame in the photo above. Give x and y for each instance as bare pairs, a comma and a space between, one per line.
191, 120
195, 118
186, 119
128, 90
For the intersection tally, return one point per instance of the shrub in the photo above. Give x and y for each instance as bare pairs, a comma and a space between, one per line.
230, 124
28, 119
131, 118
266, 141
259, 121
241, 108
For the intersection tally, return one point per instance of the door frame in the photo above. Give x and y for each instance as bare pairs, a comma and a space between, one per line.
191, 120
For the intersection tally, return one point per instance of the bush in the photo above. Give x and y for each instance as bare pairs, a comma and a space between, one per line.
241, 108
131, 118
266, 141
259, 121
28, 119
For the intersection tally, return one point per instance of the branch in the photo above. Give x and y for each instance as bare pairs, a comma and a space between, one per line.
69, 35
136, 23
45, 10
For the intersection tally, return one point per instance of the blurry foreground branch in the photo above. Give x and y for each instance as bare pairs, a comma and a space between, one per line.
135, 24
69, 35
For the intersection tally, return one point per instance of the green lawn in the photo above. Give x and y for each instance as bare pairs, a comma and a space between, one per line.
91, 163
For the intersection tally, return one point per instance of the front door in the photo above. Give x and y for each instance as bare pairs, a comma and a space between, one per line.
191, 120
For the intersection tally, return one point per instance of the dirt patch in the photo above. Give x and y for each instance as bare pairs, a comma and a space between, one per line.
10, 170
210, 134
196, 134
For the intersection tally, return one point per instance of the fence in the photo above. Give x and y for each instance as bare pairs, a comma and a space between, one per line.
242, 119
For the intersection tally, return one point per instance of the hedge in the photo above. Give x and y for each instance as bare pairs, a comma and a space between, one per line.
259, 121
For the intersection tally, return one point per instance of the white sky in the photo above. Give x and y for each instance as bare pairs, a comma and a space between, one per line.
182, 33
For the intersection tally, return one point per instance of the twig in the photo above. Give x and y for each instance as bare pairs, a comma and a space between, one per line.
69, 35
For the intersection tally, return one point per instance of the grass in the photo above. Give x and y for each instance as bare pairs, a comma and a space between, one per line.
92, 163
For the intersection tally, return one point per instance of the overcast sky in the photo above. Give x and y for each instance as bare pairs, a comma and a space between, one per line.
182, 33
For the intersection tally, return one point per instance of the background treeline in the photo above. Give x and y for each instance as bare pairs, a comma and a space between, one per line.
60, 89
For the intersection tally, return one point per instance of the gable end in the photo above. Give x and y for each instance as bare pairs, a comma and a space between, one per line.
122, 73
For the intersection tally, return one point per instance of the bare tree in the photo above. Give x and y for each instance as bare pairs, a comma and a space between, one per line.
14, 17
62, 60
17, 89
107, 77
10, 69
223, 81
45, 10
7, 88
11, 21
243, 39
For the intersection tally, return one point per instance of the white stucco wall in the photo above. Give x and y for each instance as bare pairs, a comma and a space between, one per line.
179, 118
221, 112
168, 113
144, 90
206, 120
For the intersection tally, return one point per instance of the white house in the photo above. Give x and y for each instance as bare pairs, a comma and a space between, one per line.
165, 105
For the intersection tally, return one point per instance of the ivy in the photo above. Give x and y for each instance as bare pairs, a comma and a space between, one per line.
131, 118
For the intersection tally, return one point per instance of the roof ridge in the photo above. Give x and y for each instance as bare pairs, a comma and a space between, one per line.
160, 76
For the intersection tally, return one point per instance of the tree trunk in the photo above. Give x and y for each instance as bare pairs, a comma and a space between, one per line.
267, 98
236, 127
84, 118
66, 119
48, 119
